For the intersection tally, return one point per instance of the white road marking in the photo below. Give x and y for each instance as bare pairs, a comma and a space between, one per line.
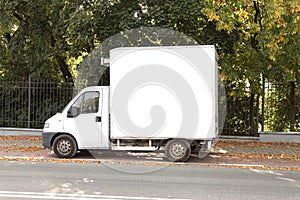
287, 179
38, 195
267, 172
239, 165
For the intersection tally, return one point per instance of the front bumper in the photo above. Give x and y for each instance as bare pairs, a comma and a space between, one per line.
47, 139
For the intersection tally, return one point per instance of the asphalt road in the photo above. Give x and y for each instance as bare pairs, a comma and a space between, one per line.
46, 180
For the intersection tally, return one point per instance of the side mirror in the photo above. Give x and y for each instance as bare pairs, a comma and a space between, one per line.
72, 112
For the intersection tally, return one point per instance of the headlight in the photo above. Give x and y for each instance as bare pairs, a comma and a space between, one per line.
46, 125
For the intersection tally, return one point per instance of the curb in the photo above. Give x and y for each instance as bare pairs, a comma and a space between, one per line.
20, 132
289, 137
239, 138
148, 163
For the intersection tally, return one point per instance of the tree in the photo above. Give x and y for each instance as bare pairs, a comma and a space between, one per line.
267, 31
34, 37
49, 39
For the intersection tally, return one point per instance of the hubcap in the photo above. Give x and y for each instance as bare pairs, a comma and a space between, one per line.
64, 146
177, 150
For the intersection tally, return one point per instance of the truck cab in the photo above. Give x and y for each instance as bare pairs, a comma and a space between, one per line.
85, 120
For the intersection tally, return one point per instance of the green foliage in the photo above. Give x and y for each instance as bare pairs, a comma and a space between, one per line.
49, 39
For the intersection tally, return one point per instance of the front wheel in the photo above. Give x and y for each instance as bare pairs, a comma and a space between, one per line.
64, 146
178, 150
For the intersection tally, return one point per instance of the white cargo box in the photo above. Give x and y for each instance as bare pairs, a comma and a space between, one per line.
163, 92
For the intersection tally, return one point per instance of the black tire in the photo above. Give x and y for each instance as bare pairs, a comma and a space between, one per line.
64, 146
178, 150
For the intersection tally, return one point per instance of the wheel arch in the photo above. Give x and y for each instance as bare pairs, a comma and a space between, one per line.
62, 133
190, 141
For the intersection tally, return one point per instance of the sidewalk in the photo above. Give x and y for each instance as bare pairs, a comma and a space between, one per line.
268, 154
242, 154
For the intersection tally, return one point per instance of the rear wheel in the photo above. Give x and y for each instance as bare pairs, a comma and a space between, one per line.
64, 146
178, 150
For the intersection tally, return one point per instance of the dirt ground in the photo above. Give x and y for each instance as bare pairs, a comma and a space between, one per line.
239, 154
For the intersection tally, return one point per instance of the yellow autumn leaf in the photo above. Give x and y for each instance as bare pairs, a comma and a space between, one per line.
213, 17
288, 71
243, 15
295, 8
296, 28
272, 58
277, 14
269, 67
269, 45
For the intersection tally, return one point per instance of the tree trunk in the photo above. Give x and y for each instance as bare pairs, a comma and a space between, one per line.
62, 63
64, 69
251, 110
292, 106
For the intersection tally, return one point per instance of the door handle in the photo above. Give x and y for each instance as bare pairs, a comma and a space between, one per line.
98, 119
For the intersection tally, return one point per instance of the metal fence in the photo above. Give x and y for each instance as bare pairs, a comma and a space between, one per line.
282, 107
28, 103
277, 109
242, 115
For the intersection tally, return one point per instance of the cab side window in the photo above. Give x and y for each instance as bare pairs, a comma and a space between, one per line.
88, 102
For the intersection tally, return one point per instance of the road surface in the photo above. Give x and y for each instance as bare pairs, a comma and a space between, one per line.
46, 180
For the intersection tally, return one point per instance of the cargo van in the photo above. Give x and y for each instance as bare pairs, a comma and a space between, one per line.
159, 98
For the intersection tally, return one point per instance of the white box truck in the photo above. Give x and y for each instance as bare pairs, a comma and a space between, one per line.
158, 98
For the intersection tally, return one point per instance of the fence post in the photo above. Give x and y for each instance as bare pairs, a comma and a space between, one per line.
29, 101
263, 104
257, 115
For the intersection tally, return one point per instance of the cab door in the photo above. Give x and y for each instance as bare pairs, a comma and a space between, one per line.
84, 119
